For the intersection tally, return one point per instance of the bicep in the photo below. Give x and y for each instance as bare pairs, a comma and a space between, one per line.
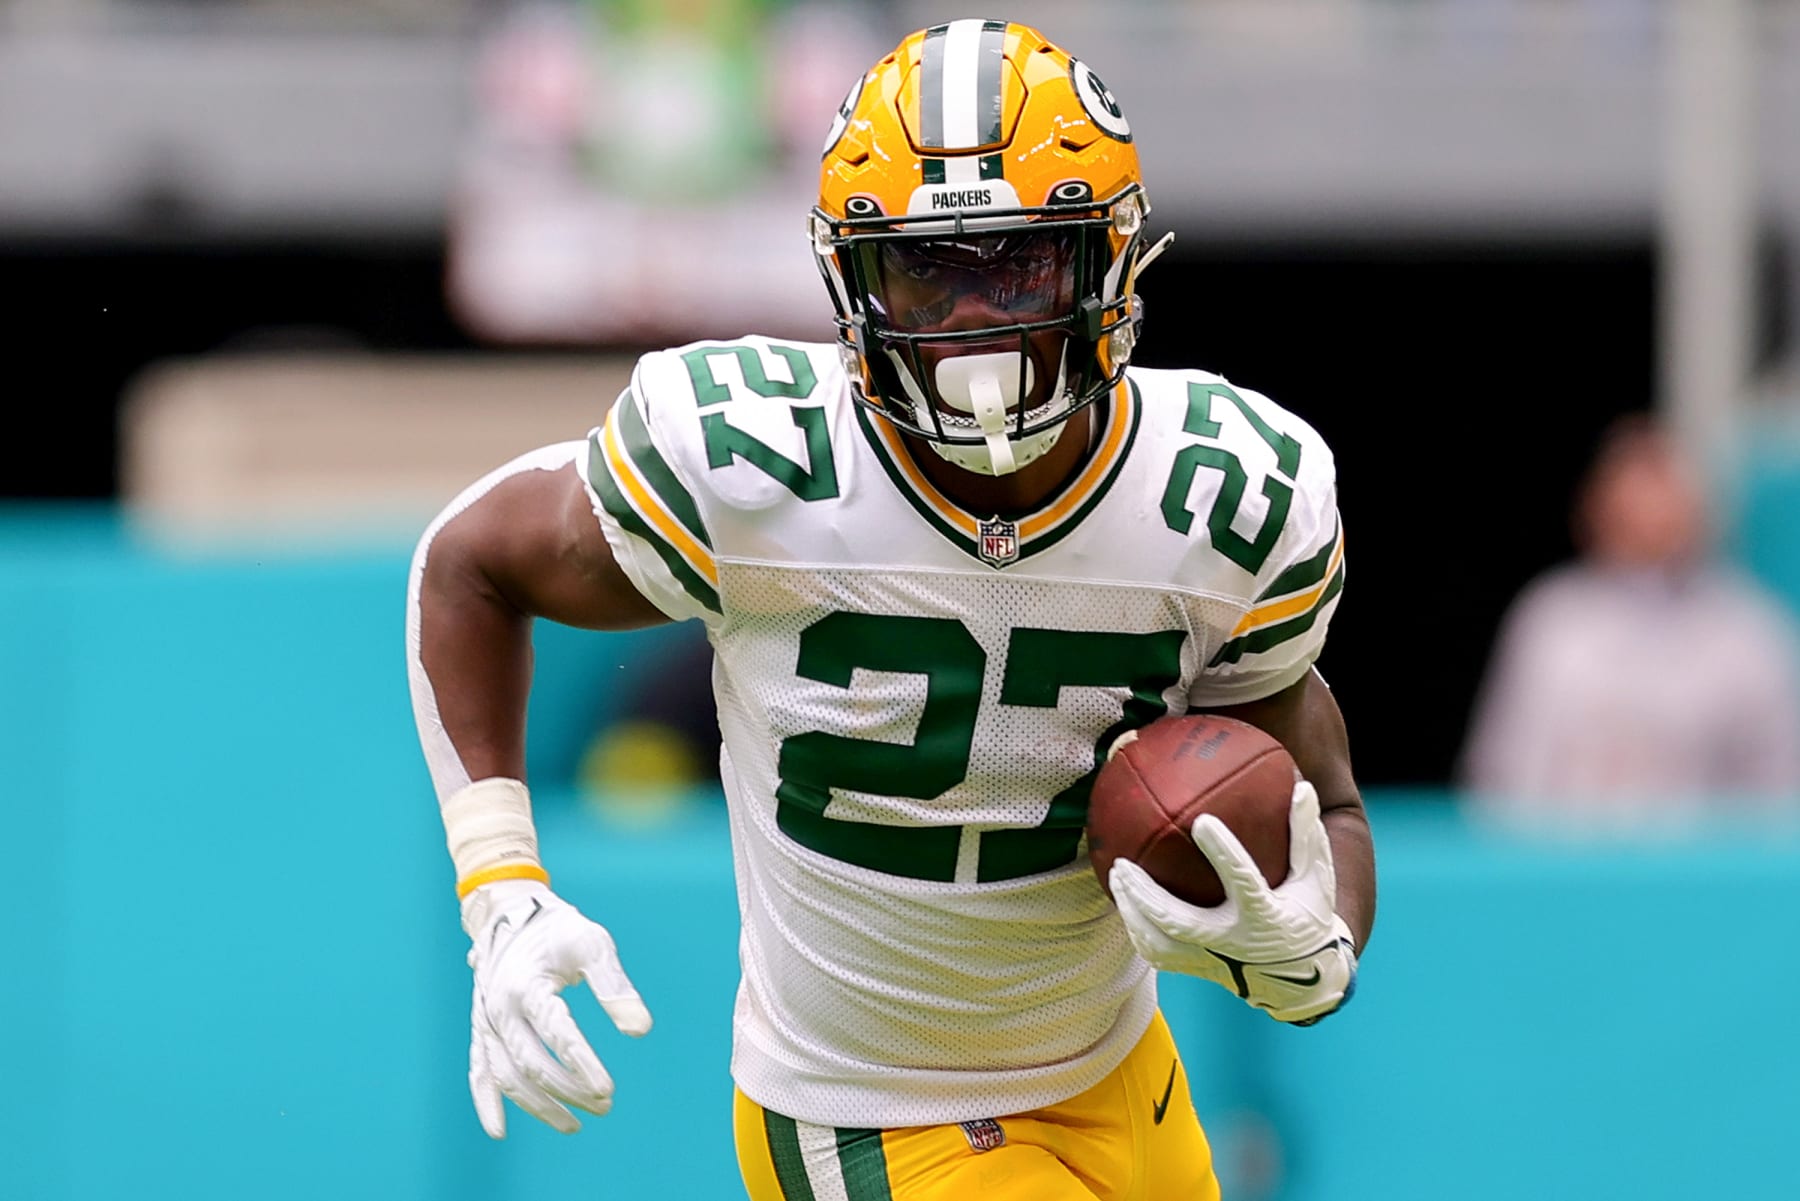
534, 540
518, 545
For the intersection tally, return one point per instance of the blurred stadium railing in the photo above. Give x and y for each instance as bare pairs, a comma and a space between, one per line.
345, 450
1358, 117
1347, 120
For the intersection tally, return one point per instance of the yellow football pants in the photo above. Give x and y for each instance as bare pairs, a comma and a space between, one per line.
1132, 1137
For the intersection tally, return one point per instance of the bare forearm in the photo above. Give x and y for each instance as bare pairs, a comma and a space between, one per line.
520, 544
1321, 750
476, 647
1306, 719
1353, 855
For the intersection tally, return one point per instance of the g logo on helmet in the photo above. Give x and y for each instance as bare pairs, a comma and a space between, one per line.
1098, 101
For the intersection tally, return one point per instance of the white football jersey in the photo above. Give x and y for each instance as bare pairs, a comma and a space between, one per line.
914, 700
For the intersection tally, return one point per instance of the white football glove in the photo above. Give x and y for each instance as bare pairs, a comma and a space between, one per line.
1283, 950
526, 945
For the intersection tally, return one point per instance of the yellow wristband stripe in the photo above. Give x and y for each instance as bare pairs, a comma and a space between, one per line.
506, 871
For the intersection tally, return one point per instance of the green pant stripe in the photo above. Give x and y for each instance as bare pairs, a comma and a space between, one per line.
864, 1165
784, 1150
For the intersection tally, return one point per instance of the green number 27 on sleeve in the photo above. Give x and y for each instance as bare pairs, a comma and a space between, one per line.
1252, 552
813, 479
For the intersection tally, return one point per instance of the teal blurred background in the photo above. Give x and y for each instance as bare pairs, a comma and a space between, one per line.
235, 970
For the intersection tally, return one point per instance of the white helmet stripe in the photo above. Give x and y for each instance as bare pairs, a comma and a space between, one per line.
965, 169
961, 67
959, 96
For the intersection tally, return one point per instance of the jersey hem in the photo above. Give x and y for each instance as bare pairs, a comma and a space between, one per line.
1261, 688
890, 1098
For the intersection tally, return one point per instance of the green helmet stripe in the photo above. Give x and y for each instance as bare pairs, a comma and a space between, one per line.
989, 59
931, 87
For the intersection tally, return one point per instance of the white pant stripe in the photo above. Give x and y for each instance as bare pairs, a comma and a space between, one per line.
819, 1150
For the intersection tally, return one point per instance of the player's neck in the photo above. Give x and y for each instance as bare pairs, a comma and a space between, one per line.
1023, 491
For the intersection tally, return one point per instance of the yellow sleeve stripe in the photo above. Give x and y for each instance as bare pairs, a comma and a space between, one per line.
647, 503
1280, 610
506, 871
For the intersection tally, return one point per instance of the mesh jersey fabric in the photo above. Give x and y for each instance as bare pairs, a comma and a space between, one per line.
913, 700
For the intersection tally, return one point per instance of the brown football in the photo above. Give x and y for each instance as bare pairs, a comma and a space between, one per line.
1154, 784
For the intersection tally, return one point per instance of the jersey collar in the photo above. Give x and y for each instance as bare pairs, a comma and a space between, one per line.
985, 538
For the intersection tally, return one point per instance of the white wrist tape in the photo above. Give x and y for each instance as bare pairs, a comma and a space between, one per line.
488, 827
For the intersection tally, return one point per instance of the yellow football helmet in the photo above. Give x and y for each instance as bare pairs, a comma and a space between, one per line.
980, 227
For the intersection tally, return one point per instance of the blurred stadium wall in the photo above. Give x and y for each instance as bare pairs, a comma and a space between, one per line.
207, 998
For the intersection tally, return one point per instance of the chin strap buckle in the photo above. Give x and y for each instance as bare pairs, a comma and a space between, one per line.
1093, 318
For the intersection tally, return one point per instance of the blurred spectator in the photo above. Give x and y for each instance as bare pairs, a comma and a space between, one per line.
1647, 679
638, 173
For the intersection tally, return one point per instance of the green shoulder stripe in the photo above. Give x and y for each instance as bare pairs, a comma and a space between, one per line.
656, 472
1303, 575
1258, 641
612, 499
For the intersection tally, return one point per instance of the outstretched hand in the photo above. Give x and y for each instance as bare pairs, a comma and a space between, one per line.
527, 945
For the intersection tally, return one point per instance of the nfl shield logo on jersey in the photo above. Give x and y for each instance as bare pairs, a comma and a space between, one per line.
999, 541
984, 1134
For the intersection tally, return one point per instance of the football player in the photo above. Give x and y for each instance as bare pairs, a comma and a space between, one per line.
944, 563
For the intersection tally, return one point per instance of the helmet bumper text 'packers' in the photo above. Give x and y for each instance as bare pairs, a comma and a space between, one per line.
980, 226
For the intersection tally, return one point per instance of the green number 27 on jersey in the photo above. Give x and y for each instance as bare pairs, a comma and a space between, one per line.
1039, 665
814, 477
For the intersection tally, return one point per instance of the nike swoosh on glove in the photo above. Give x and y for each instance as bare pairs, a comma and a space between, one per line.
527, 944
1283, 950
